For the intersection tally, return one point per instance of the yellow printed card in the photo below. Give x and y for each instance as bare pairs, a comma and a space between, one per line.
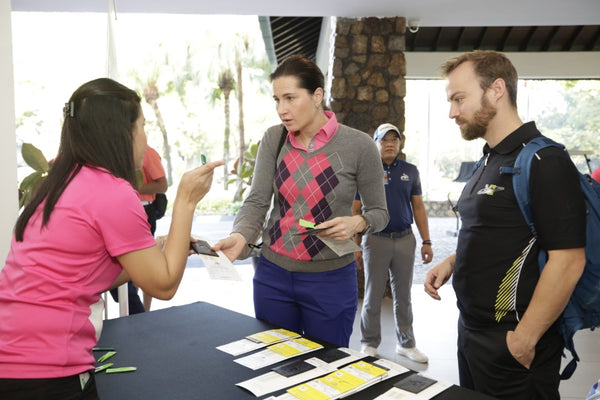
294, 347
307, 343
272, 336
284, 349
342, 381
307, 392
369, 368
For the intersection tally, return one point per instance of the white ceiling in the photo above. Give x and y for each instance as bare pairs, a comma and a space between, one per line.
428, 12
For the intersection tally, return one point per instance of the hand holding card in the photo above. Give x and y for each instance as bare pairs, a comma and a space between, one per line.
310, 228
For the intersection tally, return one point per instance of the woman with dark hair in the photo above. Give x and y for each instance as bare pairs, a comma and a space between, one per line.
83, 232
312, 167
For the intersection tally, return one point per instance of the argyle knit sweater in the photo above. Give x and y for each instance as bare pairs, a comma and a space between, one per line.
315, 186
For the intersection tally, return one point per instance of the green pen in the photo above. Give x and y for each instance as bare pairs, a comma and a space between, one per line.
103, 367
106, 356
203, 159
120, 370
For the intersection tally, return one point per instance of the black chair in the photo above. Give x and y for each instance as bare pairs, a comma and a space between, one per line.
464, 173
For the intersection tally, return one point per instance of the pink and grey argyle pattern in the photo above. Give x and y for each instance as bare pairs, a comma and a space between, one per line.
306, 183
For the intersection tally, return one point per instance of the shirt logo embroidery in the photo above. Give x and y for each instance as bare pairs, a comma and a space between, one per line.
490, 189
404, 177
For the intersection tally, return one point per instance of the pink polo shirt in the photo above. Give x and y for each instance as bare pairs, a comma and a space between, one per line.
50, 286
321, 138
152, 170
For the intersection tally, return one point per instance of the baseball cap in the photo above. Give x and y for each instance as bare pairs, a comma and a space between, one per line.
383, 129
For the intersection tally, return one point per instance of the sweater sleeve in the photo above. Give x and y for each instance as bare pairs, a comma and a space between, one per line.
370, 186
251, 216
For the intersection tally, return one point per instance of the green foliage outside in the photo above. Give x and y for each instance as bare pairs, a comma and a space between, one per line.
218, 206
245, 171
566, 111
176, 69
575, 121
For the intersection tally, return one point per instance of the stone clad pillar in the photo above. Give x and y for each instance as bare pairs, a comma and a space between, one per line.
368, 85
367, 80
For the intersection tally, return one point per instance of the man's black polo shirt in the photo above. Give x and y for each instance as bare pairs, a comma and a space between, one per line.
496, 268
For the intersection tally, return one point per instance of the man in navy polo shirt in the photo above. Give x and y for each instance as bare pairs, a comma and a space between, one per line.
393, 249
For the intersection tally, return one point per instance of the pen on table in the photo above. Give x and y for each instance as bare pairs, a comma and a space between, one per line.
103, 349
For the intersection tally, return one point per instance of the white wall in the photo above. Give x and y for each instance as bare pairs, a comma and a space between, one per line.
529, 65
8, 142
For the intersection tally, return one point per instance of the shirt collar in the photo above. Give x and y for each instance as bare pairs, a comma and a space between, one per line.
522, 134
323, 135
394, 164
331, 126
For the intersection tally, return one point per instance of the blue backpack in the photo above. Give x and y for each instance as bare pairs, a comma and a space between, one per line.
583, 309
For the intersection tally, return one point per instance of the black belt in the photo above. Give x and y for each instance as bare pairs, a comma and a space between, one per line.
394, 235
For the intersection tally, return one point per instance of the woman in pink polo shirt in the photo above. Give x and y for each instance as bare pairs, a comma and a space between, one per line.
84, 232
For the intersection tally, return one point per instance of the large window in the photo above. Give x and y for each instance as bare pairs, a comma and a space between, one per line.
184, 66
566, 111
186, 58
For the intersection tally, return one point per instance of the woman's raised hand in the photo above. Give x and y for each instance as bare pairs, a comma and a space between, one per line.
196, 183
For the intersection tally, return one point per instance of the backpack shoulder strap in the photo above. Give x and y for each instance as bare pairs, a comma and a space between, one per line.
521, 172
478, 164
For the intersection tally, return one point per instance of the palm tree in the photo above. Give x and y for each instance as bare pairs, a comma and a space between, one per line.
240, 99
174, 78
151, 95
258, 67
236, 54
226, 84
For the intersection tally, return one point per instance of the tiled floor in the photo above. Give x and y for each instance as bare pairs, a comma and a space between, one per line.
434, 326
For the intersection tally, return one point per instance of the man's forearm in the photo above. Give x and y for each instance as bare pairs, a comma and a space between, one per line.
554, 288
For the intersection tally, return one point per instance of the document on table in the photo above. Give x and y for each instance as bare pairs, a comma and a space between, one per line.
278, 352
257, 341
413, 391
273, 381
345, 381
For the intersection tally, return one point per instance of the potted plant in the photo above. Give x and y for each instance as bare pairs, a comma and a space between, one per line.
36, 160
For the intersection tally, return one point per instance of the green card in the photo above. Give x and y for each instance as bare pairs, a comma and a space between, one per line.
306, 224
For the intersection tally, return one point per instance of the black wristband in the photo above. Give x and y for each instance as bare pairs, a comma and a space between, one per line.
426, 242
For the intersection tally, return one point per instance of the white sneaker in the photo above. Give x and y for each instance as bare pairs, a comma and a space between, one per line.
412, 353
369, 350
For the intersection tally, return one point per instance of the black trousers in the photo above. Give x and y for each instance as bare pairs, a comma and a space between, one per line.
67, 388
486, 365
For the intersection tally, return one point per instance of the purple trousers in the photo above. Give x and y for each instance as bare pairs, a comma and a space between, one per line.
320, 305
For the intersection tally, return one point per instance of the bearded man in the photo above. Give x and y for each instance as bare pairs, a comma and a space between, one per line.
508, 344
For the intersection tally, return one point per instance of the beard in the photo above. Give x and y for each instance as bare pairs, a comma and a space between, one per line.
477, 127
